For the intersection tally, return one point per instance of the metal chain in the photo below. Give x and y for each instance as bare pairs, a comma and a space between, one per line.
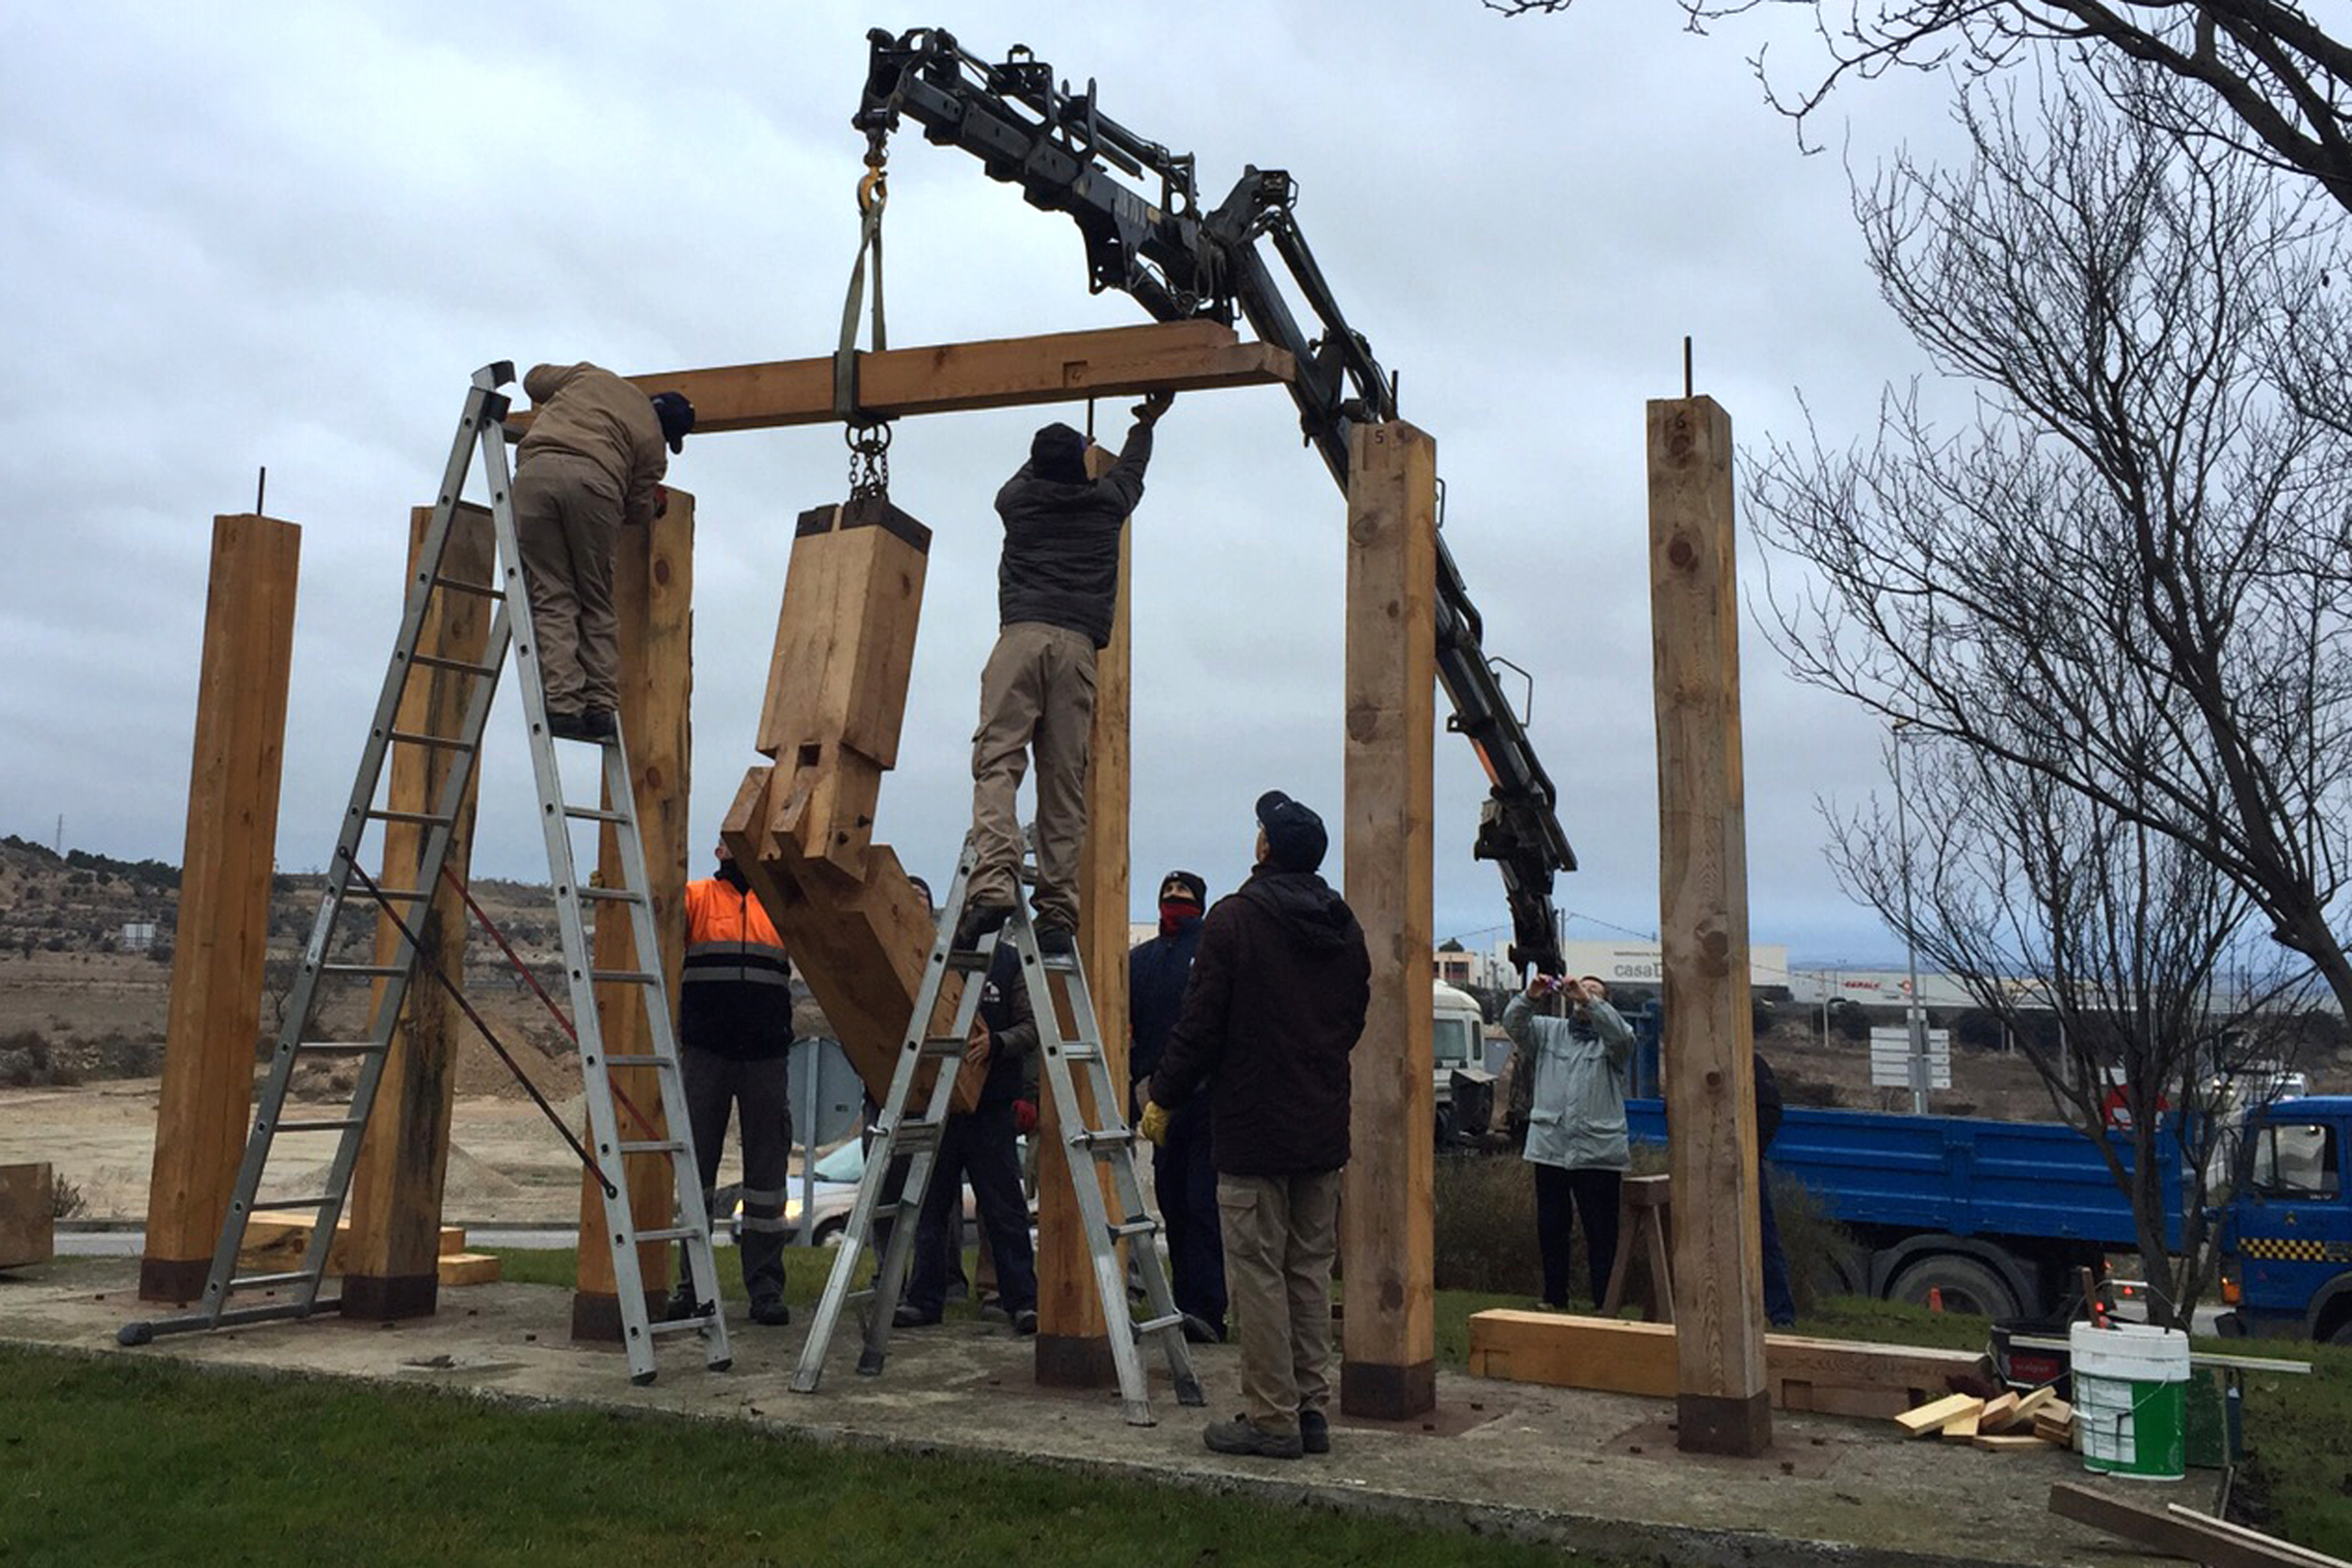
870, 458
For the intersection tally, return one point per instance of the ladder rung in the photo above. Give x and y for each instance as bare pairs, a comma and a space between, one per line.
595, 814
362, 1048
1085, 1052
319, 1202
638, 1061
417, 738
268, 1281
481, 590
420, 818
380, 971
321, 1126
1143, 1227
611, 896
470, 666
943, 1045
915, 1137
680, 1326
969, 961
394, 894
1159, 1325
668, 1233
1109, 1137
625, 977
654, 1146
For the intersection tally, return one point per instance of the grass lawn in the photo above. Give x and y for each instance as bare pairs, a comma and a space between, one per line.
115, 1460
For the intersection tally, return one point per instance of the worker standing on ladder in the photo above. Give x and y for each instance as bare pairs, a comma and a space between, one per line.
1278, 996
1057, 587
591, 461
735, 1039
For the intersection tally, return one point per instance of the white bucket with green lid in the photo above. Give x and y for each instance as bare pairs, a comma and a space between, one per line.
2131, 1400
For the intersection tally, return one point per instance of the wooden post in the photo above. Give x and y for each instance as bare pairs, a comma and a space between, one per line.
1386, 1240
222, 934
392, 1257
1710, 1063
653, 592
1074, 1348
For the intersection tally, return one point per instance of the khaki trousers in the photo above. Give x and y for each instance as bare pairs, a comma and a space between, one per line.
568, 519
1037, 694
1281, 1234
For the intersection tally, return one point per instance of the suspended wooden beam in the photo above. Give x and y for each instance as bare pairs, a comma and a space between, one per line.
1004, 372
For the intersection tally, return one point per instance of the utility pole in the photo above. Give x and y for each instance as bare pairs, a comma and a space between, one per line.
1914, 1017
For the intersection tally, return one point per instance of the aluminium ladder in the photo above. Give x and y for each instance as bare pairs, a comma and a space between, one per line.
1105, 1144
323, 973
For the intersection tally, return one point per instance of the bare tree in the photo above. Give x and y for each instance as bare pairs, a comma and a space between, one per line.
2107, 578
2044, 903
2284, 86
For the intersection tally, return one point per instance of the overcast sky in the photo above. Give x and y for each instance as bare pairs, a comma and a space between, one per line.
232, 242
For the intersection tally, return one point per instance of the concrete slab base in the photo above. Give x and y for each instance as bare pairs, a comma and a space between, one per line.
1598, 1473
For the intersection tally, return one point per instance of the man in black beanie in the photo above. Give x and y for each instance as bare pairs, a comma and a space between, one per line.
1057, 586
1278, 990
1183, 1173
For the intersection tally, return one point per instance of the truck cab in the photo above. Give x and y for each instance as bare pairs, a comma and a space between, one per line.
2286, 1238
1457, 1040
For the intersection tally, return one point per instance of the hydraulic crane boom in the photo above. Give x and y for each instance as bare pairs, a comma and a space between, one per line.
1179, 262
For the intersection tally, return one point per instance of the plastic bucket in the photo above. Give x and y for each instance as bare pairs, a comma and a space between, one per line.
2131, 1400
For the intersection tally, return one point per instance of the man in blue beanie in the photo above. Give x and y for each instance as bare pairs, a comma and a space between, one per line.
1057, 586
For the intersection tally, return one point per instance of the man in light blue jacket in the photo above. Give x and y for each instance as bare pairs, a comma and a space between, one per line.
1576, 1136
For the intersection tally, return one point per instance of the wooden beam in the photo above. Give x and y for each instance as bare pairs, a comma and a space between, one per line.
1709, 1061
2178, 1532
1387, 1240
27, 1215
1005, 373
1072, 1343
653, 597
222, 932
1828, 1376
390, 1255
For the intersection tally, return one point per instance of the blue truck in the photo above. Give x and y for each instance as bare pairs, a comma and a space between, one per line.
1997, 1215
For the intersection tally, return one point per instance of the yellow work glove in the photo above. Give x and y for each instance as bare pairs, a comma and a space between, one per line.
1155, 1123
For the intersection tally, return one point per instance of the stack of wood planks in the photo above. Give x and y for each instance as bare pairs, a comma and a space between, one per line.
2005, 1422
276, 1239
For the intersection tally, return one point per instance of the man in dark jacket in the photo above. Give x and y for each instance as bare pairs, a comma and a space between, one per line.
982, 1144
1057, 586
1183, 1173
1277, 1000
1780, 1306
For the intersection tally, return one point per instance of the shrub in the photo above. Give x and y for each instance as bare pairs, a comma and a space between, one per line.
66, 1199
1850, 1020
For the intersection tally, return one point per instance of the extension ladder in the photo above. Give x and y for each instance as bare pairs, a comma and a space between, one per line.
323, 975
1105, 1144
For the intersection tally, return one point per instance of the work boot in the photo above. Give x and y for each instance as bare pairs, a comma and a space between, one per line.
596, 726
682, 1304
1199, 1331
1314, 1431
1025, 1323
1056, 942
910, 1316
771, 1310
980, 921
1243, 1436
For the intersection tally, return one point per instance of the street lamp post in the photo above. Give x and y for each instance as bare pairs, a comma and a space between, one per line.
1914, 1017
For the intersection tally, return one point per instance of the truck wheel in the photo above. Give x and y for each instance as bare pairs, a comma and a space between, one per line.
2343, 1336
1964, 1283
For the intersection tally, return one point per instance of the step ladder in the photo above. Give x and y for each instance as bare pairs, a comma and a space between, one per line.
913, 1133
324, 977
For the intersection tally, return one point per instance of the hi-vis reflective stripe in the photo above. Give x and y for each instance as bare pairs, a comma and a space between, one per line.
752, 962
2292, 1249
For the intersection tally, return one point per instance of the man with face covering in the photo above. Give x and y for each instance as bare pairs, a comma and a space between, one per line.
1184, 1172
1057, 585
735, 1054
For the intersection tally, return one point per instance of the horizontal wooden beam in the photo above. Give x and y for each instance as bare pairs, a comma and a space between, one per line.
1002, 373
1826, 1376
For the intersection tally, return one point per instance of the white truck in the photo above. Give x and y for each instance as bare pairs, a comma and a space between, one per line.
1459, 1039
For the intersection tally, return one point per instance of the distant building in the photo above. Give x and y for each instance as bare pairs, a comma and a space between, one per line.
138, 936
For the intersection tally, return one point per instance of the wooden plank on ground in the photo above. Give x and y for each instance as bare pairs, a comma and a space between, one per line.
1566, 1352
27, 1208
469, 1267
1723, 1404
1061, 367
1963, 1426
1999, 1414
2007, 1442
2180, 1534
1936, 1413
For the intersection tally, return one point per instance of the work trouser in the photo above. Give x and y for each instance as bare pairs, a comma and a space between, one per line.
1780, 1305
1594, 1193
760, 1087
1183, 1178
1281, 1234
978, 1145
567, 521
1037, 694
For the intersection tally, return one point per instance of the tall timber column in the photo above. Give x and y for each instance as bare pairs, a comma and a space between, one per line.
1724, 1400
1073, 1345
1387, 1240
392, 1257
222, 934
653, 595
